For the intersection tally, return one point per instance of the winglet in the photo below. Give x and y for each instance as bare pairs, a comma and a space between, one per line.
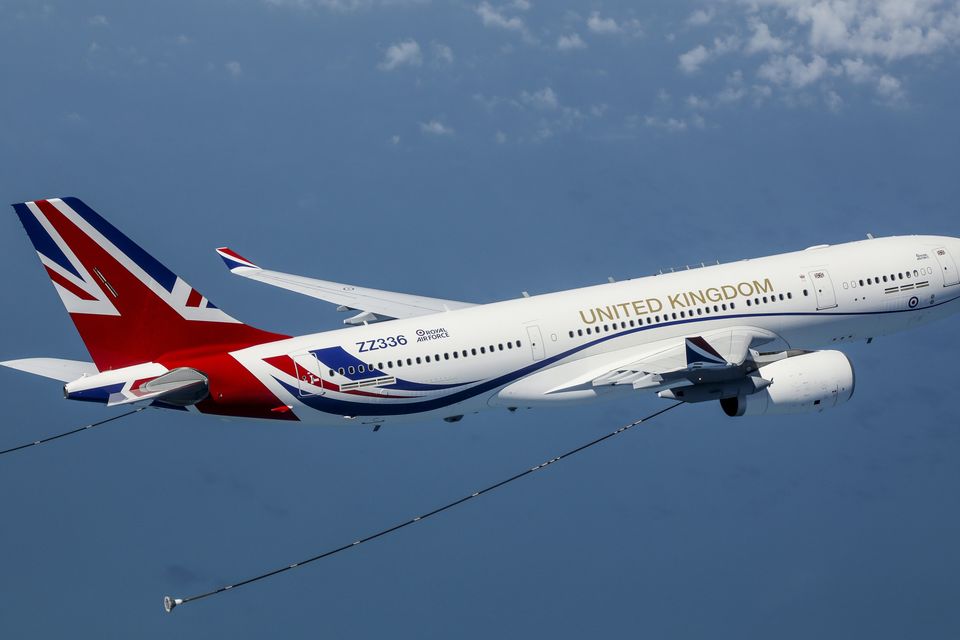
234, 260
701, 354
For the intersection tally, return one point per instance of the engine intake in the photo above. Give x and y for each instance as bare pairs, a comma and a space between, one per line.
807, 383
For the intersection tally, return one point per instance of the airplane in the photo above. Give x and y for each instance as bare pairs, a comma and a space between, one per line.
756, 336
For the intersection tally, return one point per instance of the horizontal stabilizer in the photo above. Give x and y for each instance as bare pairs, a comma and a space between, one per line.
181, 387
54, 368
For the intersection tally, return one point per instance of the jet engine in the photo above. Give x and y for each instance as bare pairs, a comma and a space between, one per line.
806, 383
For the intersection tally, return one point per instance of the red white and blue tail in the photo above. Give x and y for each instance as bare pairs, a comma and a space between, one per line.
128, 307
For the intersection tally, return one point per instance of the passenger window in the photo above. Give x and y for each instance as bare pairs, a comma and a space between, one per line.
518, 344
455, 355
473, 351
500, 346
419, 361
446, 356
340, 370
571, 334
588, 333
789, 295
484, 349
464, 353
360, 369
409, 362
351, 369
579, 333
748, 302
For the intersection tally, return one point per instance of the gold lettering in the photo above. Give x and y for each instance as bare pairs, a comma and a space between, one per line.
729, 292
713, 294
746, 292
593, 317
696, 297
604, 312
765, 287
638, 308
654, 305
675, 301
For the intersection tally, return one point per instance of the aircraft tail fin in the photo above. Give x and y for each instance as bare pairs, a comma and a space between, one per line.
127, 306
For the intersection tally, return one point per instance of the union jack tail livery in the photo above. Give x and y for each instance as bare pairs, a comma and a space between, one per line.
127, 306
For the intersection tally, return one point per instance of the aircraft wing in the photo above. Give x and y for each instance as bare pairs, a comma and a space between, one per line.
373, 304
714, 362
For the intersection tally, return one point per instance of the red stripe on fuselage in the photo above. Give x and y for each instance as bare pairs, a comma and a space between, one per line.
234, 391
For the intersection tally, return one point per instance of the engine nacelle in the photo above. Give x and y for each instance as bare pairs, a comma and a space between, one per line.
802, 384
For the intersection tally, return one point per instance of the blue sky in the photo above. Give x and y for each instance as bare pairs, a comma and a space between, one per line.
473, 150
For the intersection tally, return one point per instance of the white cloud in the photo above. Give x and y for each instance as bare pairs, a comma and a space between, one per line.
691, 60
522, 5
834, 101
666, 124
98, 21
500, 137
762, 41
405, 53
803, 43
890, 89
543, 99
791, 70
394, 140
436, 128
442, 54
596, 24
234, 69
857, 70
492, 17
700, 17
570, 42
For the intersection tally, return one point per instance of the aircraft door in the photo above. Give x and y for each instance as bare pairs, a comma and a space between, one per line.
948, 268
308, 374
823, 288
536, 342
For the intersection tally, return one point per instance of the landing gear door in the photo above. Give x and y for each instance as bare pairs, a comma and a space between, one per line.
948, 268
308, 374
823, 288
536, 342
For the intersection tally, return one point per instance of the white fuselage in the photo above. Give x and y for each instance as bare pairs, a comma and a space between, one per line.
545, 349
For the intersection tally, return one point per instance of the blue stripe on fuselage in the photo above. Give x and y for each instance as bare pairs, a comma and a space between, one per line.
346, 408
